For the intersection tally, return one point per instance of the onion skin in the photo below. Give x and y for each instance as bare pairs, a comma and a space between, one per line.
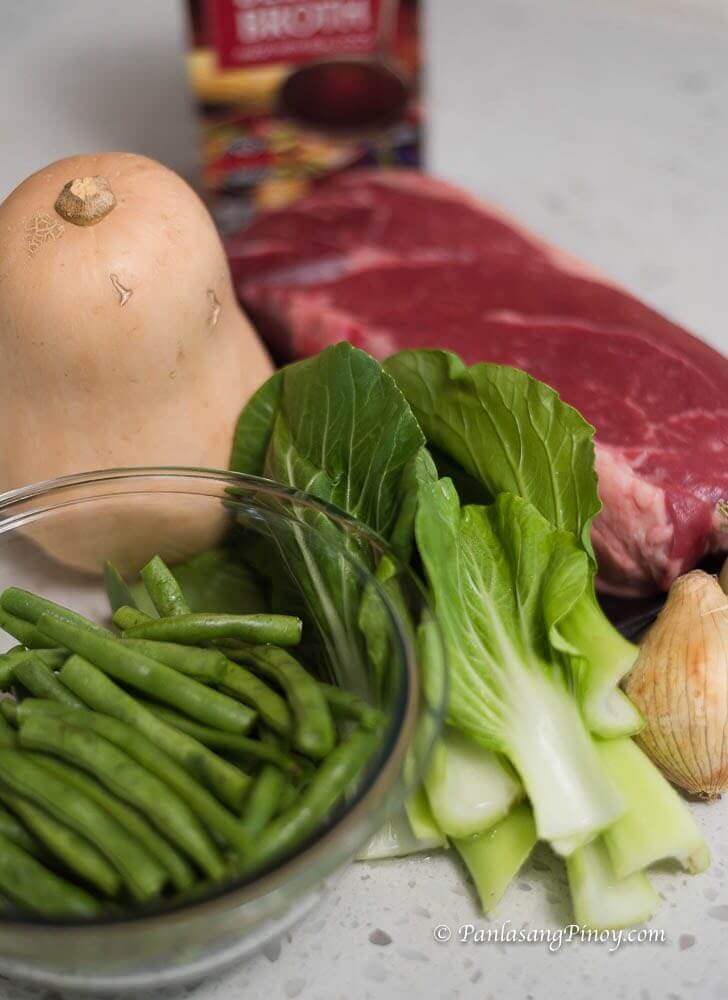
680, 684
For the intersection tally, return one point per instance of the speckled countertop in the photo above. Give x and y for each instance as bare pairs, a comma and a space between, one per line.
604, 126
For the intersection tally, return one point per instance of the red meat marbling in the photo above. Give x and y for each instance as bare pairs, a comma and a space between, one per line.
391, 260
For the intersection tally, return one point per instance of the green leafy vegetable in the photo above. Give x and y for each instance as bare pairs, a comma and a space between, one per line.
423, 823
508, 431
495, 857
534, 664
602, 901
255, 427
396, 839
373, 613
512, 434
218, 580
657, 824
336, 427
599, 657
493, 572
469, 788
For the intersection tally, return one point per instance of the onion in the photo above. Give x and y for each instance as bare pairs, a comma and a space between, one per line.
680, 684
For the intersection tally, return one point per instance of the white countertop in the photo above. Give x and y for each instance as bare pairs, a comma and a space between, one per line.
605, 127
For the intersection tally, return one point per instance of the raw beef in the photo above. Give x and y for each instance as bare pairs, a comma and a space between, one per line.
390, 260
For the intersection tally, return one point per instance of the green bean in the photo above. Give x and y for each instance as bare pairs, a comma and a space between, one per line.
127, 617
52, 658
270, 790
195, 629
314, 733
22, 630
314, 803
117, 589
289, 794
7, 666
269, 705
140, 872
134, 822
208, 666
32, 886
162, 749
169, 857
129, 781
262, 803
347, 705
76, 852
9, 712
307, 771
8, 736
165, 592
13, 829
30, 707
30, 607
219, 740
155, 679
34, 675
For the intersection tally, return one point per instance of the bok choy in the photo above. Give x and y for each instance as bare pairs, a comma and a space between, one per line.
510, 433
501, 577
495, 856
482, 480
469, 788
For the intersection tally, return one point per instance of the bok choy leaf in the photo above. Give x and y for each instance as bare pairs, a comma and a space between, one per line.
337, 427
493, 571
513, 434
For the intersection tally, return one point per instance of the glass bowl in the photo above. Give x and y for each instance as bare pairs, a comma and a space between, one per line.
54, 538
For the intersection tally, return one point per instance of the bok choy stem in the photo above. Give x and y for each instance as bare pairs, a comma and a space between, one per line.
657, 823
469, 788
495, 857
601, 901
494, 571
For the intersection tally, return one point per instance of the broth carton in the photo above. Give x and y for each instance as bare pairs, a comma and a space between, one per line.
291, 91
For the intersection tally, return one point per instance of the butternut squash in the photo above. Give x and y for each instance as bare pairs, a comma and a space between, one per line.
121, 344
